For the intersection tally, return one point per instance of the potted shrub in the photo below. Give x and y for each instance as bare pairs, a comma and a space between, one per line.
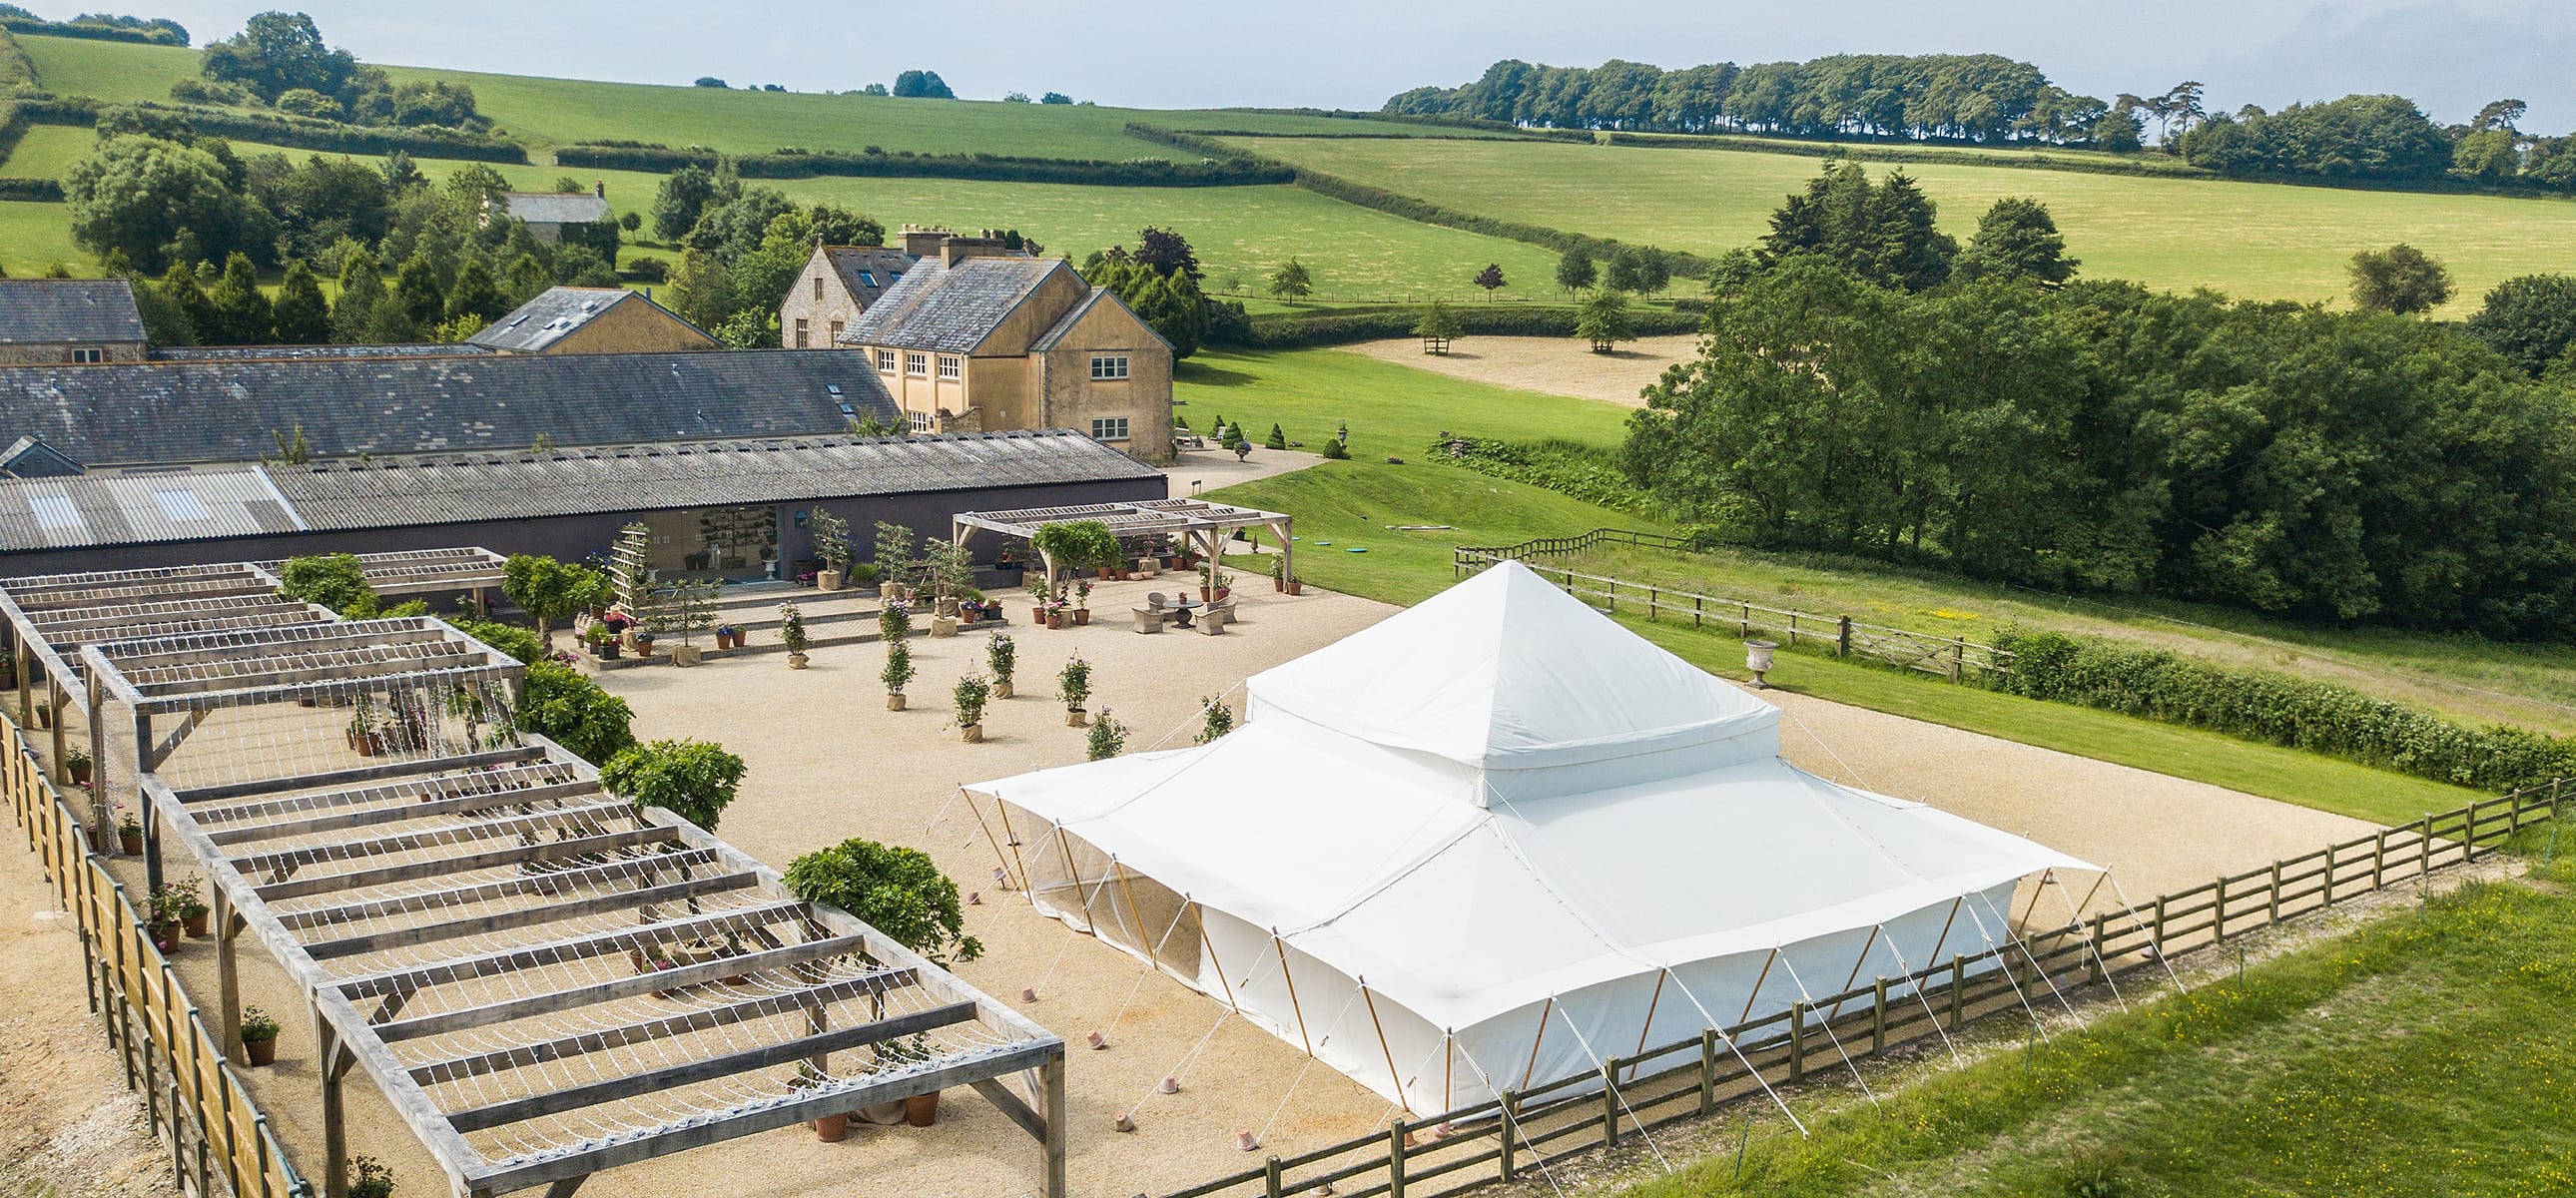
893, 560
44, 714
259, 1036
129, 832
830, 1129
897, 674
832, 546
901, 893
374, 1179
601, 641
366, 730
791, 632
1001, 654
1215, 719
76, 765
161, 918
970, 696
692, 779
1108, 737
188, 902
1073, 685
1081, 601
724, 636
1279, 573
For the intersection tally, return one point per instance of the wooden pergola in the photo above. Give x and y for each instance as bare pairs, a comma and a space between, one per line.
546, 982
425, 571
1204, 524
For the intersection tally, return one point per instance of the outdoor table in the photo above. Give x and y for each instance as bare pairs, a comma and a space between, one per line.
1184, 607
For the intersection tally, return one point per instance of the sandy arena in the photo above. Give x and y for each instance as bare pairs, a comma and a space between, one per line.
1552, 365
828, 761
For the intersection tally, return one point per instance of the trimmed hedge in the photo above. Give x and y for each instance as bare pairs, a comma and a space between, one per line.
307, 133
98, 33
43, 191
43, 109
1295, 330
2276, 709
1229, 171
1685, 265
17, 71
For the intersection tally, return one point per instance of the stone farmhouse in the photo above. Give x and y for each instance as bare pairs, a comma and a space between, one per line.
839, 282
592, 320
975, 337
69, 322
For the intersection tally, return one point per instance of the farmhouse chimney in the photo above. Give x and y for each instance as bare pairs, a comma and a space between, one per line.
953, 249
922, 241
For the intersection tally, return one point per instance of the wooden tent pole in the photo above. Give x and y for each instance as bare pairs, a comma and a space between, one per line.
1535, 1041
2047, 878
1293, 1007
1011, 837
1758, 979
1392, 1076
1066, 847
987, 829
1152, 960
1649, 1026
1210, 946
1945, 929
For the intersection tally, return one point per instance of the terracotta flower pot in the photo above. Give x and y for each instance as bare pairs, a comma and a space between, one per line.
1295, 587
196, 925
165, 936
1081, 616
921, 1110
131, 846
79, 773
832, 1129
261, 1052
1037, 613
1055, 619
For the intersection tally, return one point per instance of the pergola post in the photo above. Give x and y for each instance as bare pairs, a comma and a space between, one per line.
143, 763
26, 684
228, 928
1052, 1111
335, 1124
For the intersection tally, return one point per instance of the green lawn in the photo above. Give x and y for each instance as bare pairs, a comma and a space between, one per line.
2420, 1054
2253, 240
46, 150
34, 236
1393, 411
545, 113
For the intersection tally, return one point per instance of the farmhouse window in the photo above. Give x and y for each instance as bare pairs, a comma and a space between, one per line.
950, 366
818, 288
88, 357
885, 361
802, 337
920, 421
1108, 367
1109, 428
916, 365
836, 331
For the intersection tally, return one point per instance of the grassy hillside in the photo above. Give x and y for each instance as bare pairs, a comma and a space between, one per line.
46, 150
2253, 240
545, 113
2417, 1055
1393, 411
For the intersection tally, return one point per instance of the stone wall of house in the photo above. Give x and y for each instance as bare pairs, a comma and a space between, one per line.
634, 327
819, 306
1072, 399
55, 353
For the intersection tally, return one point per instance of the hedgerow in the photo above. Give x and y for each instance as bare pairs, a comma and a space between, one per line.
805, 164
2318, 717
1297, 330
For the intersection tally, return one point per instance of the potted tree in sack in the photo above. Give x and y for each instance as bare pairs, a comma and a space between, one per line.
894, 560
970, 696
259, 1036
901, 893
791, 633
832, 546
1001, 654
1073, 685
897, 674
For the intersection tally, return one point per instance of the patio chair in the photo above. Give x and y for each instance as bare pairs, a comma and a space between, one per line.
1213, 620
1155, 601
1148, 620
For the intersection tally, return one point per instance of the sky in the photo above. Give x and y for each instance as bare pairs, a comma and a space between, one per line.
2451, 56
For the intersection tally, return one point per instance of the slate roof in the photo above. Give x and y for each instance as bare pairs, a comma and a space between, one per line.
307, 353
557, 313
1099, 295
867, 270
173, 412
73, 311
555, 207
424, 490
951, 309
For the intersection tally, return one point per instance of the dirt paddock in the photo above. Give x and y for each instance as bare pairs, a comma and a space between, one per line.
1554, 365
828, 761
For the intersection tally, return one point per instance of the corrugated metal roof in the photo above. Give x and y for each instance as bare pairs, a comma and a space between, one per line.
56, 311
445, 489
555, 207
555, 314
951, 309
170, 412
136, 509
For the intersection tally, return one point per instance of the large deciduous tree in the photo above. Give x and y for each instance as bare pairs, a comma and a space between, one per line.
277, 51
2531, 320
2400, 280
156, 202
551, 590
922, 85
2017, 239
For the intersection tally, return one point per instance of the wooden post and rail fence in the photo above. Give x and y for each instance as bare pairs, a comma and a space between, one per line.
1955, 658
218, 1140
1509, 1136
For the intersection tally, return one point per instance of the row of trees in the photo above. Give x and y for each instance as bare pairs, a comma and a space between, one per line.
1975, 97
2384, 138
742, 249
279, 59
2333, 465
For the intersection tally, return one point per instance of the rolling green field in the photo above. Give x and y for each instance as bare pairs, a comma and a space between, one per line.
545, 113
2419, 1054
2251, 240
46, 150
34, 236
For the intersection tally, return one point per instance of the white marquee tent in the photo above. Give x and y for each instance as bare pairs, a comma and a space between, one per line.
1495, 839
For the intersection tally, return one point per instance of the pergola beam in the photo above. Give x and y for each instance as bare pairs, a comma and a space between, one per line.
547, 884
505, 1011
364, 773
586, 815
521, 1056
395, 813
572, 1098
573, 948
489, 859
501, 921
